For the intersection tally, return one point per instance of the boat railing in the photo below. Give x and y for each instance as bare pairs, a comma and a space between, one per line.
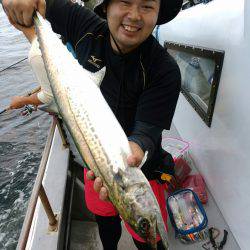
39, 191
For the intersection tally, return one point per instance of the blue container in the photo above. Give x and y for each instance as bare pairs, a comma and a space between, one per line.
187, 216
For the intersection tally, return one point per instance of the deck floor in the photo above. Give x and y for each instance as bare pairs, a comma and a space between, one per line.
85, 236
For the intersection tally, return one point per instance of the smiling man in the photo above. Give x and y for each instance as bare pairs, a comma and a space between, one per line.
141, 84
131, 22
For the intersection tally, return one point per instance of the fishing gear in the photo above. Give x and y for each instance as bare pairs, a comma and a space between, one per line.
10, 66
33, 91
3, 111
217, 245
224, 240
28, 109
216, 234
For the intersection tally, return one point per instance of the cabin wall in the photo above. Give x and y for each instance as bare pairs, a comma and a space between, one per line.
221, 153
247, 19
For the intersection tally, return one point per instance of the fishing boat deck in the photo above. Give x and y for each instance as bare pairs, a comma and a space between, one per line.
84, 232
78, 229
85, 236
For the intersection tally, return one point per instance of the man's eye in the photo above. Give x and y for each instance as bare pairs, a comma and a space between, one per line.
147, 7
125, 1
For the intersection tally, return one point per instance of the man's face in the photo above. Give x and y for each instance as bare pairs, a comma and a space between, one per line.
131, 22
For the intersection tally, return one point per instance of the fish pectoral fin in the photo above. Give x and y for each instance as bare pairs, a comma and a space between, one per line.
144, 159
98, 76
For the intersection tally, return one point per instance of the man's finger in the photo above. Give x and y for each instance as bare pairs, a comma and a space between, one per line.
10, 11
41, 7
28, 17
103, 195
90, 175
12, 16
10, 20
133, 161
97, 184
19, 17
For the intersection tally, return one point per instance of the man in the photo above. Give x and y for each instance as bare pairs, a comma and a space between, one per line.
141, 84
44, 95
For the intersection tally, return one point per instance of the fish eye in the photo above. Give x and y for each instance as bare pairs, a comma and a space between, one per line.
143, 226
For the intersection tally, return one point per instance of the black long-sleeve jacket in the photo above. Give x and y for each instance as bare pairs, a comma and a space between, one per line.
141, 87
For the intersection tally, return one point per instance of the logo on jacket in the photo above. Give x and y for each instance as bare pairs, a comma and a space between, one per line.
94, 61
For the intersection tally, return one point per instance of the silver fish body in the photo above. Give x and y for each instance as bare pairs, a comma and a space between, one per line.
98, 135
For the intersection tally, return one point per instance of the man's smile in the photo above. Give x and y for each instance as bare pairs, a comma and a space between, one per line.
131, 28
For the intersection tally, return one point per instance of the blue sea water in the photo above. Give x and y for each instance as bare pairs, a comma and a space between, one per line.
22, 139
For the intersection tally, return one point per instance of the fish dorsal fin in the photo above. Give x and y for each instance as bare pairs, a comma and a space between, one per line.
98, 76
145, 157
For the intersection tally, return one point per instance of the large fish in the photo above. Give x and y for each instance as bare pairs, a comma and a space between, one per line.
98, 136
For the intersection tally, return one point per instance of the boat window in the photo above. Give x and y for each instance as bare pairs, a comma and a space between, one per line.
190, 3
200, 70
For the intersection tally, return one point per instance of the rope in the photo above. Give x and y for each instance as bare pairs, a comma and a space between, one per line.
13, 64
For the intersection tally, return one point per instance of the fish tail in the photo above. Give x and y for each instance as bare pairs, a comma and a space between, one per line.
162, 231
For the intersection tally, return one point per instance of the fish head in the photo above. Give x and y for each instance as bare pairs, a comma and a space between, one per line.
148, 223
144, 214
144, 211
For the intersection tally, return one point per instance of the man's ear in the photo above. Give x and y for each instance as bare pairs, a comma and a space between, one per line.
104, 9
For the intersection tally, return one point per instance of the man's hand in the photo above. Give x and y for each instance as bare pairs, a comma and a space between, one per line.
134, 160
17, 102
21, 11
29, 32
